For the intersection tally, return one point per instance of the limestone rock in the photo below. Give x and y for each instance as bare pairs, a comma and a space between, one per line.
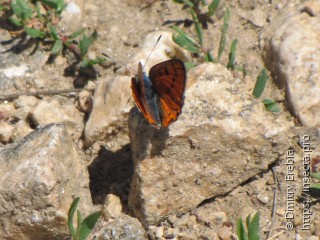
6, 132
223, 137
40, 175
112, 207
292, 51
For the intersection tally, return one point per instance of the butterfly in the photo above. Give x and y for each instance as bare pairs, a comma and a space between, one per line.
160, 96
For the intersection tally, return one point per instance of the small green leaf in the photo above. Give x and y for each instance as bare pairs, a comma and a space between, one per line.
240, 69
253, 229
94, 36
189, 65
34, 33
197, 26
53, 32
232, 54
87, 224
208, 57
21, 9
187, 2
184, 41
315, 175
248, 220
51, 3
271, 106
241, 231
224, 31
88, 63
213, 7
85, 43
71, 212
79, 220
57, 5
315, 186
260, 83
57, 47
1, 7
178, 1
15, 21
77, 33
61, 6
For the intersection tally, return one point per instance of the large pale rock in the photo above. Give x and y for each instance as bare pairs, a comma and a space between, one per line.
39, 177
222, 138
111, 104
292, 53
113, 97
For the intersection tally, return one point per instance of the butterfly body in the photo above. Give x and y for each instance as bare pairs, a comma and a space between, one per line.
160, 96
151, 99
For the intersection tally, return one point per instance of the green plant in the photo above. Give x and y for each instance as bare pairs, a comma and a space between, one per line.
269, 104
39, 20
316, 176
196, 46
314, 173
84, 226
196, 5
251, 230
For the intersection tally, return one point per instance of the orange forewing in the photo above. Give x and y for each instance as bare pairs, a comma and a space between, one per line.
169, 81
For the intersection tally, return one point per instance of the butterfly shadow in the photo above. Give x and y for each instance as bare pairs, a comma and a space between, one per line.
111, 172
143, 135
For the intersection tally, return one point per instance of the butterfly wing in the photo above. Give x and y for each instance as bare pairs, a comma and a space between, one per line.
138, 93
169, 82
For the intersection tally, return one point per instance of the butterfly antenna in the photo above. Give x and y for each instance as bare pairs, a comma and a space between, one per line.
151, 51
117, 61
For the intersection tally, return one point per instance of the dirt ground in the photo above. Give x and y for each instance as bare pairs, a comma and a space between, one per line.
122, 26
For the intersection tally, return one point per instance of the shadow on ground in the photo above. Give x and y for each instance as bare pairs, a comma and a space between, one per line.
111, 172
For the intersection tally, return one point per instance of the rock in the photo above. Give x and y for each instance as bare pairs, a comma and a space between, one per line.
225, 233
111, 104
207, 215
24, 105
85, 101
112, 207
26, 102
21, 129
263, 197
6, 132
124, 228
55, 109
170, 233
291, 50
157, 232
15, 71
73, 8
113, 97
40, 175
205, 153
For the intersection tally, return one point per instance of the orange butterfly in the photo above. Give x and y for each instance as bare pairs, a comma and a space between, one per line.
160, 96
